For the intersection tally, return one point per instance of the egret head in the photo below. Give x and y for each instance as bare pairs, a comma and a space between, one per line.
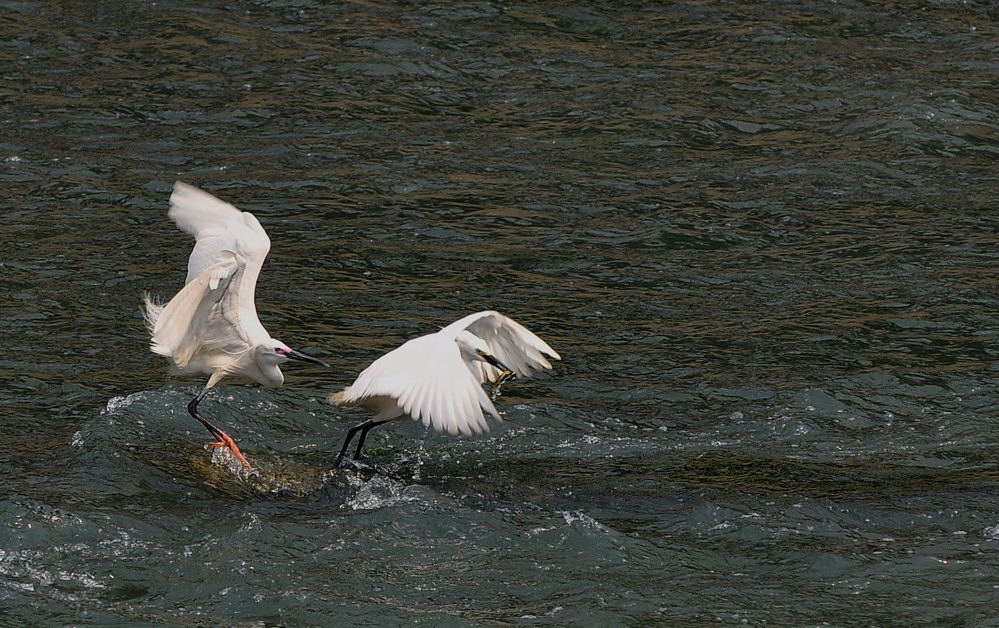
285, 353
272, 353
474, 348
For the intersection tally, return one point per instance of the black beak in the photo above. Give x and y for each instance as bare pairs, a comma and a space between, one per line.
298, 355
490, 358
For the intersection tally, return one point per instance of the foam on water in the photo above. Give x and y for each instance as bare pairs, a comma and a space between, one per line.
379, 492
770, 271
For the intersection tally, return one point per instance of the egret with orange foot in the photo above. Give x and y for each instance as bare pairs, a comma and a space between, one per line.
211, 327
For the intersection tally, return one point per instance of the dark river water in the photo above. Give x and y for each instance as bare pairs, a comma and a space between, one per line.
763, 237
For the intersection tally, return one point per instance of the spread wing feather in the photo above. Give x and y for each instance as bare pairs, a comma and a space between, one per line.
513, 344
220, 230
430, 383
428, 380
203, 317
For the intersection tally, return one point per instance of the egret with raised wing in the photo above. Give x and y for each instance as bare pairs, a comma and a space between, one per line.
211, 327
437, 378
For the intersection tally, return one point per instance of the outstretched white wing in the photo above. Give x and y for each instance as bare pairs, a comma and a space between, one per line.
510, 342
202, 320
426, 379
220, 230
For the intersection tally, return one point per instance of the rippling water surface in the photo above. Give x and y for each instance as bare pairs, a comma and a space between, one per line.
762, 236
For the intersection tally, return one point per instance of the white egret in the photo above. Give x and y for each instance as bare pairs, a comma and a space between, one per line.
437, 378
211, 327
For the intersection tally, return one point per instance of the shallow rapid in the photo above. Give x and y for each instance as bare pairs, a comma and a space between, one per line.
762, 237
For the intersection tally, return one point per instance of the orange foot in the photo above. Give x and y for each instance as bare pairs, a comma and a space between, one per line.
231, 444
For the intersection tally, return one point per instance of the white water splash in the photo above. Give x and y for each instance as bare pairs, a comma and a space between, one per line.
378, 492
119, 403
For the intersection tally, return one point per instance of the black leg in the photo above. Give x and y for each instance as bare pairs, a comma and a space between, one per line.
363, 428
364, 434
223, 439
192, 408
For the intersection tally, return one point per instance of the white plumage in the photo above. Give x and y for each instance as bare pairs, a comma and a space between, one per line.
211, 327
437, 379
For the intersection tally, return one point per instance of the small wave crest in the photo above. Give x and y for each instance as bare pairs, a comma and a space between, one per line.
379, 492
116, 404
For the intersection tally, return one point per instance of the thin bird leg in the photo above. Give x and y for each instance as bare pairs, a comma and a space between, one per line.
224, 440
364, 428
364, 434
